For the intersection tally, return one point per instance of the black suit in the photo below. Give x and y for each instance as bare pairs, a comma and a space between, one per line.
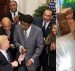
3, 32
4, 64
9, 15
38, 21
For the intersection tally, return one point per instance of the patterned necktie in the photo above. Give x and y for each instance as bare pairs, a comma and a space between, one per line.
25, 34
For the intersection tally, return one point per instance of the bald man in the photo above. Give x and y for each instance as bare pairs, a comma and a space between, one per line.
8, 29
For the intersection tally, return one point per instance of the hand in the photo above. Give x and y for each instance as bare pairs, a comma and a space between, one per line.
14, 63
22, 49
21, 57
12, 46
29, 62
16, 19
53, 46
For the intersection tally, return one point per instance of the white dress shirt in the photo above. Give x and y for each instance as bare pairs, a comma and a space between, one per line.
4, 53
65, 53
47, 23
16, 14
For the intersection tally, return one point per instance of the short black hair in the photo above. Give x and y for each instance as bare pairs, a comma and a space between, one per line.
27, 18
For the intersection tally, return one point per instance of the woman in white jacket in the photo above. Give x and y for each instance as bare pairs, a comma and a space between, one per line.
65, 46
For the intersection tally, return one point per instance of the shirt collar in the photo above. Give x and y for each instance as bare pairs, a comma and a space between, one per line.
47, 23
2, 51
16, 13
28, 30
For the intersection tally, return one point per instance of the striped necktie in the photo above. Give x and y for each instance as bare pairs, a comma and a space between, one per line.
25, 34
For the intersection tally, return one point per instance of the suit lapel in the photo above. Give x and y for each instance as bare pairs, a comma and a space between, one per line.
48, 27
30, 34
10, 15
3, 58
41, 23
23, 40
22, 33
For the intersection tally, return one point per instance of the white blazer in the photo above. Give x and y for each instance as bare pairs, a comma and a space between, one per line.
65, 53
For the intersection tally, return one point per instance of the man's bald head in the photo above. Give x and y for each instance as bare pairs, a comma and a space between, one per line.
6, 23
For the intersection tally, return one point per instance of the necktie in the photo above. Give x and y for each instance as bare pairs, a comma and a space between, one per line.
14, 14
44, 27
44, 30
25, 34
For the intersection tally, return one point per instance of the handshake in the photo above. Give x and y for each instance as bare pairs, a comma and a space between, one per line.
23, 52
20, 58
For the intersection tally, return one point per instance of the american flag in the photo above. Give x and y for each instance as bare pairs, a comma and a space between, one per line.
53, 8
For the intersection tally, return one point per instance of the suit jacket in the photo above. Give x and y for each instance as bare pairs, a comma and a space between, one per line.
65, 51
9, 15
3, 32
38, 21
4, 64
33, 45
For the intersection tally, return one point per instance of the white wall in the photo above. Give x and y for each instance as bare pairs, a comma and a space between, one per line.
28, 6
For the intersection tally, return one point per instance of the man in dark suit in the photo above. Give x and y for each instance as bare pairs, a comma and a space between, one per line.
30, 37
14, 15
8, 29
5, 60
44, 23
